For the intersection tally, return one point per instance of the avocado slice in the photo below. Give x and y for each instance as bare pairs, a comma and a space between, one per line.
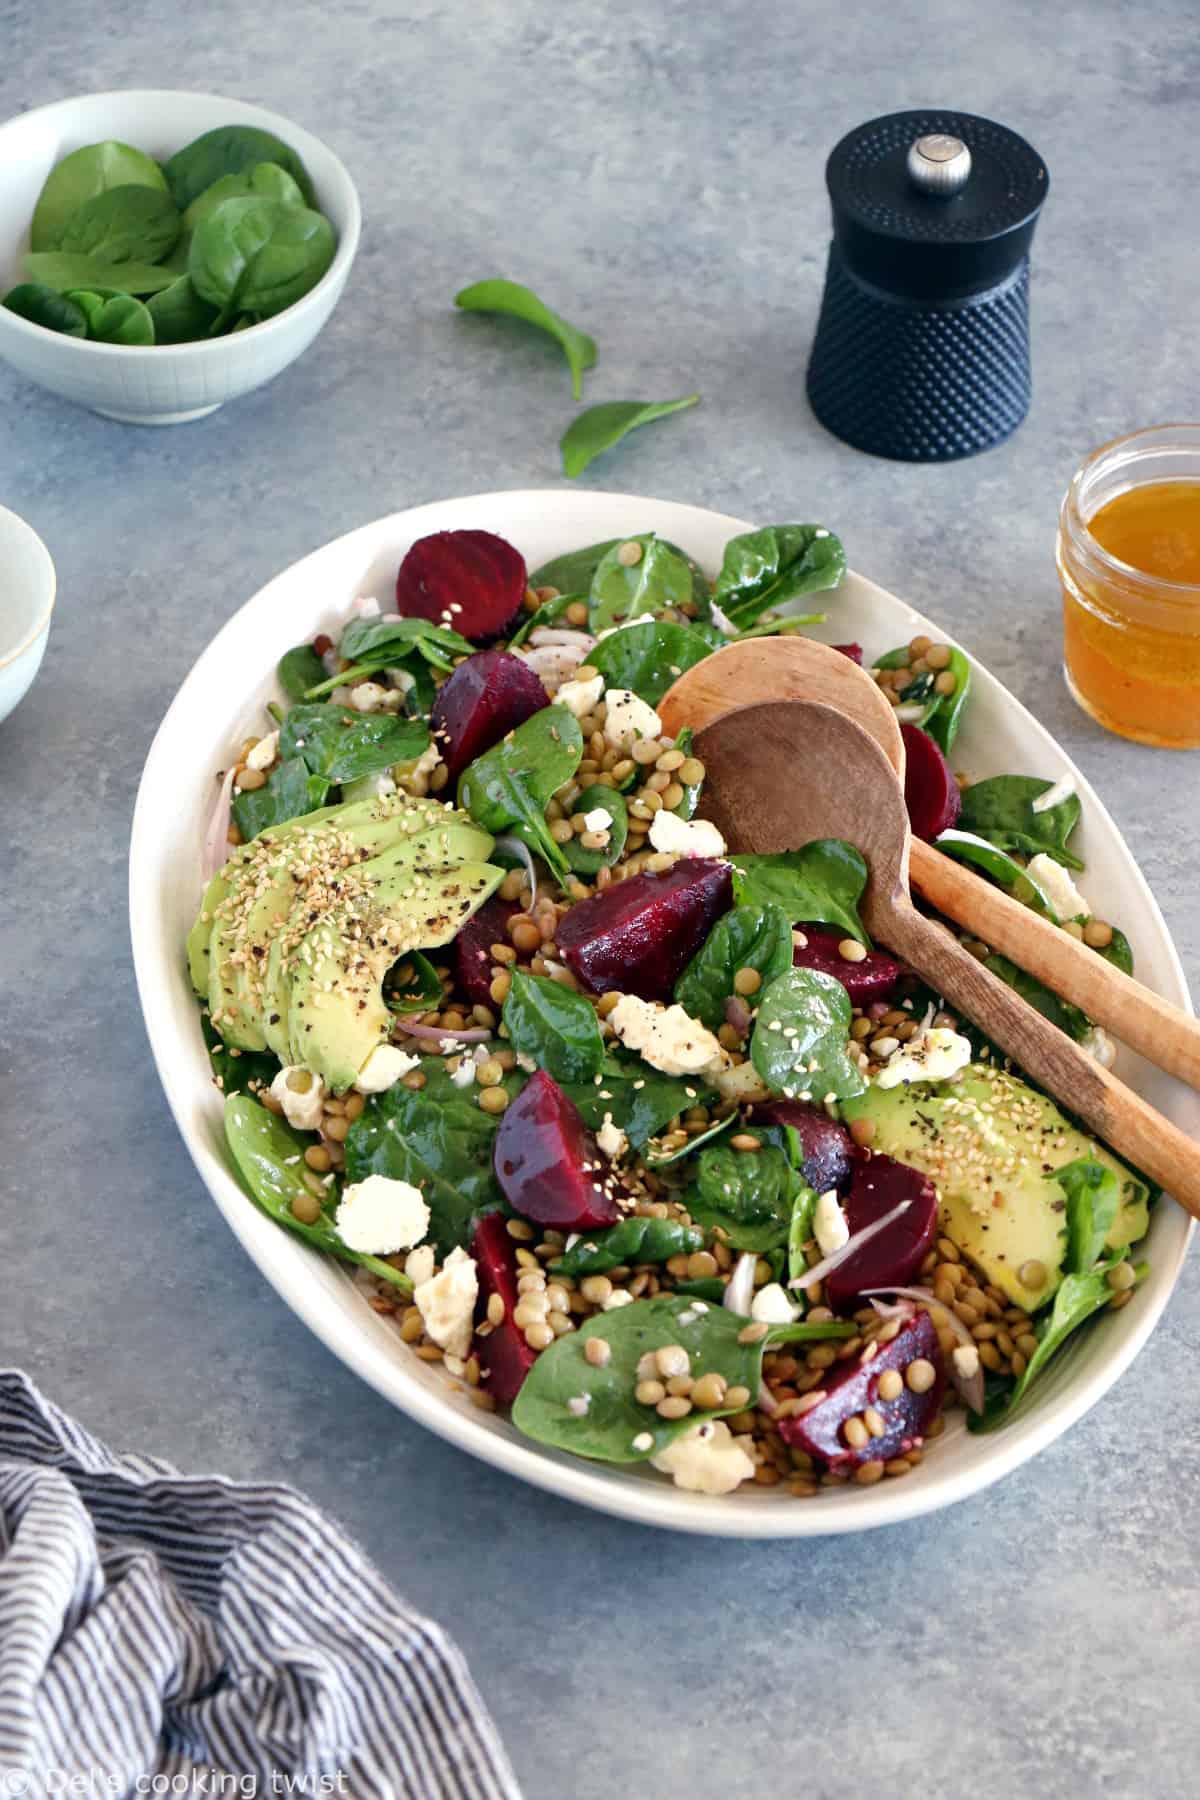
991, 1145
336, 1012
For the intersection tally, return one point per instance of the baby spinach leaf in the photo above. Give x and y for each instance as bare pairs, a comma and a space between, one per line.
43, 305
546, 614
290, 792
801, 1034
413, 986
367, 639
686, 808
572, 572
800, 1226
775, 564
614, 1427
755, 937
598, 428
660, 578
1119, 951
519, 302
1001, 810
180, 316
964, 846
124, 224
269, 1157
507, 788
256, 256
807, 1331
267, 181
299, 670
228, 150
1078, 1298
121, 320
750, 1194
640, 1099
708, 1287
438, 1138
1068, 1018
942, 714
343, 746
602, 799
819, 885
80, 177
632, 1240
557, 1028
1093, 1202
648, 658
57, 269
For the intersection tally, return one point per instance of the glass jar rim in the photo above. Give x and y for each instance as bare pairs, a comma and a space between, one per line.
1071, 514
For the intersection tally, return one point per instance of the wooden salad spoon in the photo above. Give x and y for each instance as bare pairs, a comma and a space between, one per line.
798, 668
784, 772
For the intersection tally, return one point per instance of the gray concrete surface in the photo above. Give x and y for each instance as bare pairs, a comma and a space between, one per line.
656, 169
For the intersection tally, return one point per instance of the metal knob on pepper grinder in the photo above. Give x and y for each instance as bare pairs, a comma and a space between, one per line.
922, 347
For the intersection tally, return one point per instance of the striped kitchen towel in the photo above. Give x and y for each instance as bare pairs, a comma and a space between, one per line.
183, 1634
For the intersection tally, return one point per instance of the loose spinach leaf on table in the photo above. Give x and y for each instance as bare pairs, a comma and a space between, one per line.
1068, 1018
633, 1240
775, 564
63, 271
228, 150
750, 1194
299, 670
180, 316
648, 658
598, 428
602, 799
553, 1026
819, 885
964, 846
660, 578
257, 256
290, 792
340, 745
801, 1037
43, 305
266, 181
270, 1157
135, 224
82, 175
438, 1138
1093, 1202
640, 1099
757, 936
499, 296
1000, 809
614, 1427
942, 713
508, 787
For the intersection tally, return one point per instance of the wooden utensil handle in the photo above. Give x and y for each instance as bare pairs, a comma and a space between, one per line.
1113, 1111
1149, 1024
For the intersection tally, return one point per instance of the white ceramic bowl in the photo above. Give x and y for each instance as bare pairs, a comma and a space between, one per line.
222, 700
169, 383
26, 601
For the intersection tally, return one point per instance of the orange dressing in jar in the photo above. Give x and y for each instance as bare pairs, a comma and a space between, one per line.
1129, 561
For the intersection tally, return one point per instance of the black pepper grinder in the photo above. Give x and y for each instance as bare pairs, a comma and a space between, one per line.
922, 347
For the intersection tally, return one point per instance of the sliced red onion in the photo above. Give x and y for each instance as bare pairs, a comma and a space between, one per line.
436, 1034
739, 1289
903, 1311
766, 1402
513, 846
216, 838
853, 1243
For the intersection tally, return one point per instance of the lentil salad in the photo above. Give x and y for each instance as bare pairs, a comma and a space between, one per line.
571, 1156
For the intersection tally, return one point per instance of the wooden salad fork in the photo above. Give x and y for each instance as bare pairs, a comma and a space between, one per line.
783, 772
797, 668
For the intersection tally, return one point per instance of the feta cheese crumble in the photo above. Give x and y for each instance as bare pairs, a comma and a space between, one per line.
302, 1107
771, 1305
666, 1037
263, 753
1097, 1044
1063, 895
446, 1303
598, 819
830, 1226
721, 620
581, 697
464, 1075
420, 1263
708, 1459
611, 1139
628, 718
966, 1360
373, 697
383, 1069
1054, 796
379, 1216
685, 837
933, 1055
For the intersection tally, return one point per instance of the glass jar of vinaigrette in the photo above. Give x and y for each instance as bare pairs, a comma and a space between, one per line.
1129, 562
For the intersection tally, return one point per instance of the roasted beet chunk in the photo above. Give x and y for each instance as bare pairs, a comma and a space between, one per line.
871, 979
473, 957
504, 1357
930, 790
639, 935
894, 1255
471, 581
487, 696
851, 1386
853, 651
549, 1164
828, 1152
